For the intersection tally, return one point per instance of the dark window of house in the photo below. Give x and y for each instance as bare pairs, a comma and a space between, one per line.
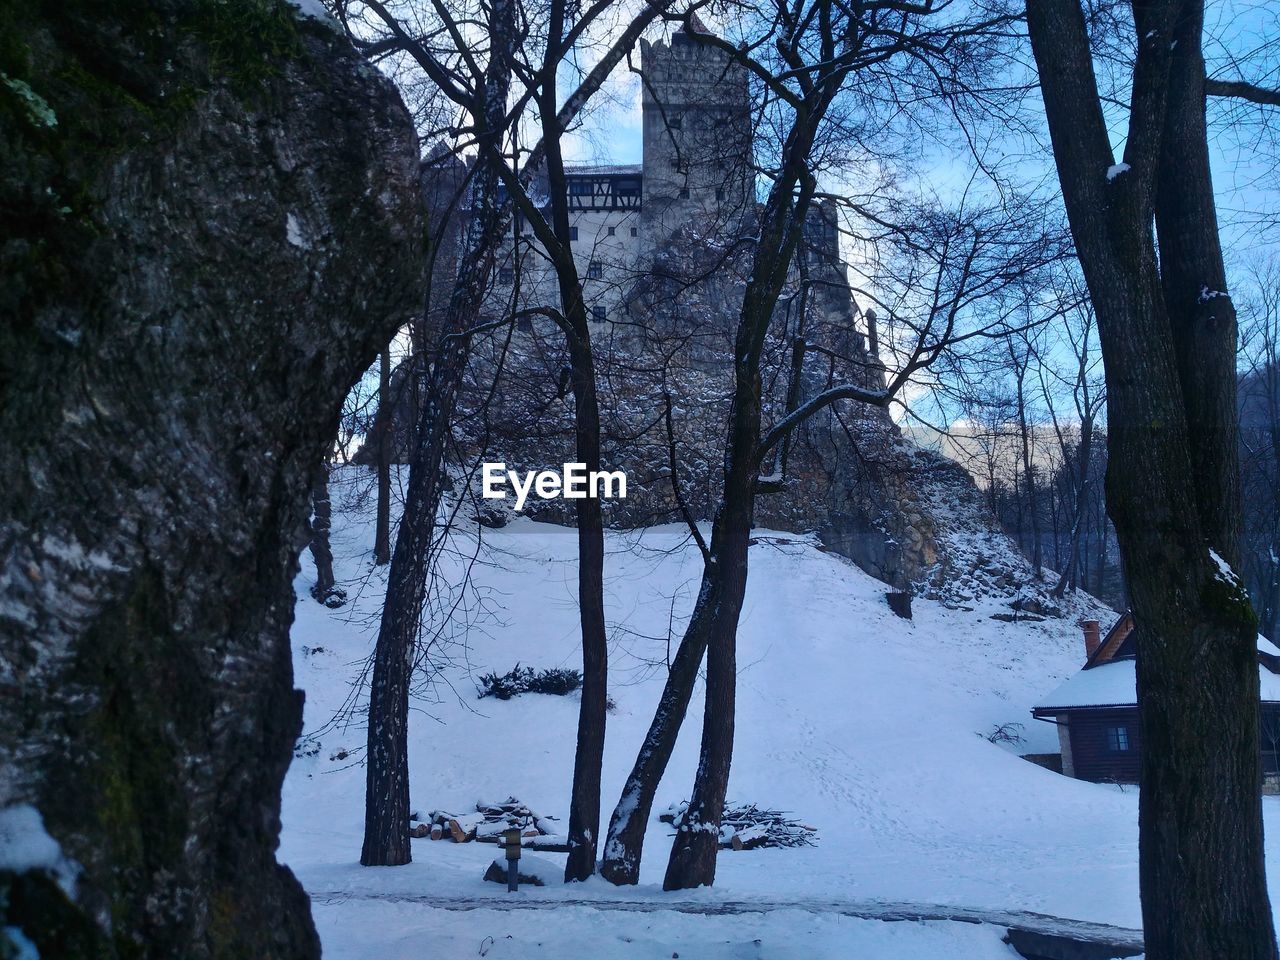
612, 231
684, 194
597, 314
635, 232
719, 193
573, 233
506, 275
579, 188
1117, 739
629, 187
595, 270
525, 324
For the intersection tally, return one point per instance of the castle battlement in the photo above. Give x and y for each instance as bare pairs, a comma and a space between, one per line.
696, 167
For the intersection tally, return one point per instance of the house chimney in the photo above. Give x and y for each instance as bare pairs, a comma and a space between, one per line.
1092, 637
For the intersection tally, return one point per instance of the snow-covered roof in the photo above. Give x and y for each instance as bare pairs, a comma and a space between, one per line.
1114, 684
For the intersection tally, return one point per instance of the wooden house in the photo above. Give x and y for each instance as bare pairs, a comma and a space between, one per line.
1096, 711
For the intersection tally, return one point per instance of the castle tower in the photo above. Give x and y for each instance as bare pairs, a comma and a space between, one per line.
697, 133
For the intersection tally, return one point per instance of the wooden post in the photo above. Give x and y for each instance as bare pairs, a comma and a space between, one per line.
511, 839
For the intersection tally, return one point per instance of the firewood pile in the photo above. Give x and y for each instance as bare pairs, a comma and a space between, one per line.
488, 823
748, 827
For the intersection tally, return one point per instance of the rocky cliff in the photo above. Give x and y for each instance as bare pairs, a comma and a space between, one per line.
209, 224
906, 515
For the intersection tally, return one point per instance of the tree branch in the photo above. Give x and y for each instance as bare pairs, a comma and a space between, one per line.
846, 391
1242, 90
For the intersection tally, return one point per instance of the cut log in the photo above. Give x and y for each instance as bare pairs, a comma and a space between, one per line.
437, 831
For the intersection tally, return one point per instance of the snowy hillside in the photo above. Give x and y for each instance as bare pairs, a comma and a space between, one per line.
864, 725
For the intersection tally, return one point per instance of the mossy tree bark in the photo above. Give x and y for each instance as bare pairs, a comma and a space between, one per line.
207, 230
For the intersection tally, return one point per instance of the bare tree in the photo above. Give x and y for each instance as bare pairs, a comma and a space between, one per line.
386, 837
1260, 442
482, 84
821, 45
325, 590
383, 429
1088, 398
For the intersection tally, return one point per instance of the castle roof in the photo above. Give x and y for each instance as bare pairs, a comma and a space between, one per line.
696, 25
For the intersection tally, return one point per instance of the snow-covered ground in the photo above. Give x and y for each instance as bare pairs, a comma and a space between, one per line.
864, 725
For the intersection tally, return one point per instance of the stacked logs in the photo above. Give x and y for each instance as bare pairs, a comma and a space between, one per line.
487, 824
747, 827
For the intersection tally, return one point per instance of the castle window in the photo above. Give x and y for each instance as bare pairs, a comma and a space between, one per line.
598, 314
573, 233
506, 275
676, 123
595, 270
719, 193
684, 194
635, 232
525, 324
612, 231
579, 188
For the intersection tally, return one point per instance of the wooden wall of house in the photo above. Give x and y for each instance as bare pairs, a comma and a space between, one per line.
1091, 751
1095, 760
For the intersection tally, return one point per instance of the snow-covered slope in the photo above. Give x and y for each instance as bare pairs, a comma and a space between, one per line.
864, 725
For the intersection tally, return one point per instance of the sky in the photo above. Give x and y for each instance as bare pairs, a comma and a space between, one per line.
1240, 35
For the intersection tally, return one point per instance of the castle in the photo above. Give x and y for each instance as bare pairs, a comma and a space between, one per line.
663, 277
696, 169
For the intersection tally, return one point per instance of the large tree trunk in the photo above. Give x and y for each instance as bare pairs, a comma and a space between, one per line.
693, 853
386, 828
1169, 494
234, 251
1226, 797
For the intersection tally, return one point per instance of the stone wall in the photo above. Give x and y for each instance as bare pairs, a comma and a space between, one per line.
906, 515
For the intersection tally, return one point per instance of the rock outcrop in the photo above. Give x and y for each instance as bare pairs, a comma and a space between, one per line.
209, 224
906, 515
